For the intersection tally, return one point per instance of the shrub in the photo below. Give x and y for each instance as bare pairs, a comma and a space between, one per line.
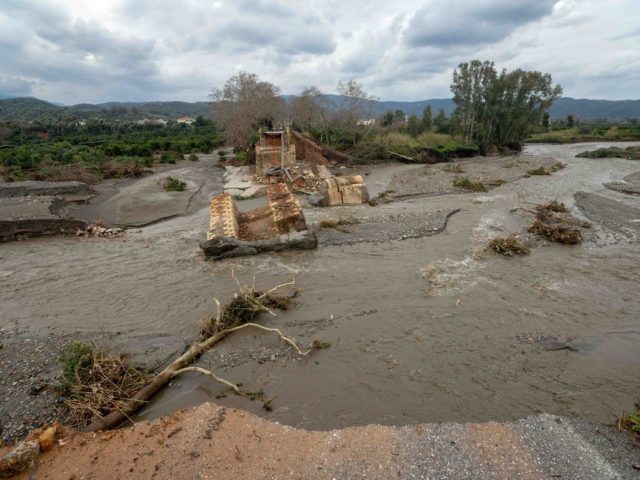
464, 182
170, 157
538, 171
193, 157
74, 358
172, 184
241, 157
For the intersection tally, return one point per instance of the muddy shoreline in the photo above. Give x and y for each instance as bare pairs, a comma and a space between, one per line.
407, 308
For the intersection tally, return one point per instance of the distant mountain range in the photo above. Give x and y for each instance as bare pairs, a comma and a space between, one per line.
26, 109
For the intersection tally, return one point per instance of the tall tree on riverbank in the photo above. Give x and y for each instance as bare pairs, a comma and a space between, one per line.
309, 109
427, 118
356, 103
500, 108
244, 104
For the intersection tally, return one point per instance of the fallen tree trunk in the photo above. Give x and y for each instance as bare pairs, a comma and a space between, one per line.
404, 157
335, 155
117, 417
254, 304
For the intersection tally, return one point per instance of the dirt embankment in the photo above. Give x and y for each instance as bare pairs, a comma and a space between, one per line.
218, 443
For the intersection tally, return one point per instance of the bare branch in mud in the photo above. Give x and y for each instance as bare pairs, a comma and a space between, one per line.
211, 375
282, 336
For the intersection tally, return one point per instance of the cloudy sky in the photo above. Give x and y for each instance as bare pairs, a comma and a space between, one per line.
74, 51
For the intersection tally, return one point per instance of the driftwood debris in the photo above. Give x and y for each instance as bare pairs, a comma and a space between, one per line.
245, 306
404, 157
554, 222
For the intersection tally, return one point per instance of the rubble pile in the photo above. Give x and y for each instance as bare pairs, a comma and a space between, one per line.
97, 230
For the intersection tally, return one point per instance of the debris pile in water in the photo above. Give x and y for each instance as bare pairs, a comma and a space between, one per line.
554, 222
509, 246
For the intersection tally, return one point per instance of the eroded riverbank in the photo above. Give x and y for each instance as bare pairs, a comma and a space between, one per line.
422, 329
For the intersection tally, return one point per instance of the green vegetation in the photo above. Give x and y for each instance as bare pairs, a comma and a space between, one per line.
560, 132
171, 184
377, 145
509, 246
499, 108
95, 383
464, 182
538, 171
33, 109
74, 358
631, 422
629, 153
96, 151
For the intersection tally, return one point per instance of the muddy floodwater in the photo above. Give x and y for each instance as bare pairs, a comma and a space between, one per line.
421, 329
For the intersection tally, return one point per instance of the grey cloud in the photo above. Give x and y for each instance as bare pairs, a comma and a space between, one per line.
629, 34
15, 87
152, 49
72, 55
305, 35
457, 22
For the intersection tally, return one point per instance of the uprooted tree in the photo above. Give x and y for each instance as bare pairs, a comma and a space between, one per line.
502, 108
95, 387
244, 104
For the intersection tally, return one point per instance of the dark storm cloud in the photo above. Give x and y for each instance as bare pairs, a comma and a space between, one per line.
446, 23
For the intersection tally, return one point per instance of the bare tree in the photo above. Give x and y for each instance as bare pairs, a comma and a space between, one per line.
308, 110
243, 105
356, 105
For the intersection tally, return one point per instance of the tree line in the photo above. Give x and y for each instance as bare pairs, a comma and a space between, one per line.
492, 107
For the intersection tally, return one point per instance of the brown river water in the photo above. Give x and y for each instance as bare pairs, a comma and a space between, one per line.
422, 330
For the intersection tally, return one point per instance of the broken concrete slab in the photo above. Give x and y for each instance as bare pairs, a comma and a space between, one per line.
39, 227
227, 247
253, 192
345, 190
234, 192
238, 178
22, 217
35, 188
277, 225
